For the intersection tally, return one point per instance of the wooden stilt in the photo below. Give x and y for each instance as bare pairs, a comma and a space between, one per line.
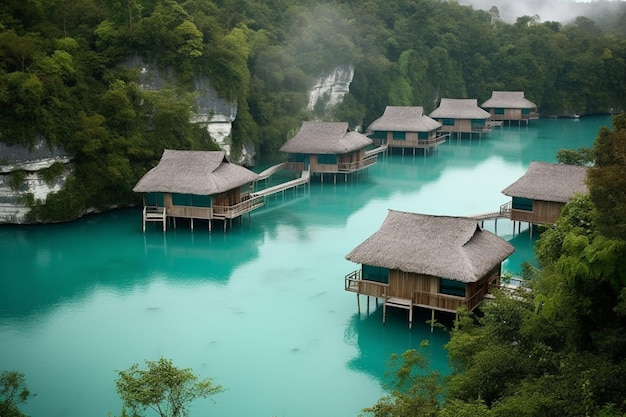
384, 310
368, 305
432, 320
358, 303
410, 317
192, 223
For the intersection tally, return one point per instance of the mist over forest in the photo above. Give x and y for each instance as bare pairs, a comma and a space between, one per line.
606, 12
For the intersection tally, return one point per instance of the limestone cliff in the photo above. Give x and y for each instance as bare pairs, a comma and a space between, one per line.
22, 175
331, 87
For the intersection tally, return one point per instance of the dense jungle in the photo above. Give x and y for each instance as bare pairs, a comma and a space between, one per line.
63, 78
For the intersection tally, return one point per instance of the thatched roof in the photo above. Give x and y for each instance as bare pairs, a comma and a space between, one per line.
550, 182
459, 108
194, 172
440, 246
404, 119
325, 138
508, 100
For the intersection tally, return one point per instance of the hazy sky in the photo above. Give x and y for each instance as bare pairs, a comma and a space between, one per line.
547, 10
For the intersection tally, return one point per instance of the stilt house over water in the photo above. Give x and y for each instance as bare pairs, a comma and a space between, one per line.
432, 262
196, 185
540, 194
406, 128
328, 148
508, 106
458, 116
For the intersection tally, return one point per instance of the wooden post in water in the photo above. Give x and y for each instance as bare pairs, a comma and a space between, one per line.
432, 320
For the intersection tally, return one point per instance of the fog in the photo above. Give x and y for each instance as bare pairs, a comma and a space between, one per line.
563, 11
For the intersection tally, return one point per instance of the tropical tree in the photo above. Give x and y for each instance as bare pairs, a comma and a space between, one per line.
13, 392
162, 388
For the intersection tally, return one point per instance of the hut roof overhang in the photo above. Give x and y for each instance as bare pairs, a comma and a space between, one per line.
441, 246
459, 108
508, 100
194, 172
550, 182
404, 119
325, 138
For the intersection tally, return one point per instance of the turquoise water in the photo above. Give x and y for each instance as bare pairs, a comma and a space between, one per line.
260, 308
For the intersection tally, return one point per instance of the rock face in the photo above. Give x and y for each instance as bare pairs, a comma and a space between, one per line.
26, 164
213, 112
331, 87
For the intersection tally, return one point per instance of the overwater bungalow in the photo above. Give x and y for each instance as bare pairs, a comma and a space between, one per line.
196, 185
540, 194
328, 148
459, 116
406, 127
432, 262
508, 106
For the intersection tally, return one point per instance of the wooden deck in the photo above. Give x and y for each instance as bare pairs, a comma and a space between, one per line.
421, 299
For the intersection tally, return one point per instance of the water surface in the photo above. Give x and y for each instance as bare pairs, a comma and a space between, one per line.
261, 308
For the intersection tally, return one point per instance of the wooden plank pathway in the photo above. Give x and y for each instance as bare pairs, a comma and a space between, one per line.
304, 179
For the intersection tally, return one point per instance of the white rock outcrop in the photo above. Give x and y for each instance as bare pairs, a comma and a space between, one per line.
332, 86
31, 161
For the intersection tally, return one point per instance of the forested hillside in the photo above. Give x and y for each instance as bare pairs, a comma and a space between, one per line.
62, 75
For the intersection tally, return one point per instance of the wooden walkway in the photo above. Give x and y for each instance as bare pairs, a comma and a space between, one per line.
503, 213
376, 151
263, 175
304, 179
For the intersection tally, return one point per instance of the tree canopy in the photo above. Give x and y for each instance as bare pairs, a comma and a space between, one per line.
162, 388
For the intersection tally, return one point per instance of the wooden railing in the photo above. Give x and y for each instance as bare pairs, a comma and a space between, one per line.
230, 212
357, 165
354, 283
446, 302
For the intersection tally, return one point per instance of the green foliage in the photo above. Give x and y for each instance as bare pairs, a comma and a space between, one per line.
162, 388
16, 179
607, 179
581, 156
51, 173
13, 392
414, 392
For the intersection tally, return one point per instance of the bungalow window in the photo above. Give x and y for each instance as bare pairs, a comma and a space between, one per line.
181, 199
328, 159
526, 111
399, 135
498, 111
478, 122
447, 122
298, 157
376, 273
423, 135
378, 135
154, 199
201, 200
521, 203
452, 287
